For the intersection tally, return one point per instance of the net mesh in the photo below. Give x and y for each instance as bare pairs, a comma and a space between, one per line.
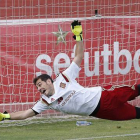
28, 45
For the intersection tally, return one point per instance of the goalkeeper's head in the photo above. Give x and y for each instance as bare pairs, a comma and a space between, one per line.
44, 84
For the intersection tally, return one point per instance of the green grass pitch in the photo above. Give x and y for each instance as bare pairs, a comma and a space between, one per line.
67, 130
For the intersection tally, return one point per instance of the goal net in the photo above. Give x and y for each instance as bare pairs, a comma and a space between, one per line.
29, 46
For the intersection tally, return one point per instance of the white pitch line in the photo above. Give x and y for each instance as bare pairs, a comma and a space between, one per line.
91, 138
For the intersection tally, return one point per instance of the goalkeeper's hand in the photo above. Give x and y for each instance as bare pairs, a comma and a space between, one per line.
76, 28
4, 116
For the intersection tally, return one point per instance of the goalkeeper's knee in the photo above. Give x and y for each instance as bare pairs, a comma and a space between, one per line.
4, 116
76, 28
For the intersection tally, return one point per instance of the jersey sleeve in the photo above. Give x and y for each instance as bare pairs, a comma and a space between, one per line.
72, 72
39, 107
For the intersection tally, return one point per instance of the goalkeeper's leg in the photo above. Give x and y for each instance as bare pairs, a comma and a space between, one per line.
124, 92
112, 108
123, 112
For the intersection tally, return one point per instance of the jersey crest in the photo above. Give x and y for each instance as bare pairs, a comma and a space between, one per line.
60, 100
62, 85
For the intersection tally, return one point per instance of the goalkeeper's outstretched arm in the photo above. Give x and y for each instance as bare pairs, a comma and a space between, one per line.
76, 28
20, 115
79, 53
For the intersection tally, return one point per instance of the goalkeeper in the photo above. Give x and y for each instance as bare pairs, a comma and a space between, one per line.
66, 95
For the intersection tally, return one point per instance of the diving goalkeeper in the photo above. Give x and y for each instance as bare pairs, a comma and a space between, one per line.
66, 95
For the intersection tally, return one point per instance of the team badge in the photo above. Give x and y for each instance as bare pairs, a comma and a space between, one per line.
60, 100
62, 85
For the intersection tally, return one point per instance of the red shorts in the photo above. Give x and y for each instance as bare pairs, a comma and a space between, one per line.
114, 105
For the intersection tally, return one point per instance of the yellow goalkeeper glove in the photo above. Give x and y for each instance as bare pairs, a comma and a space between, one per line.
4, 116
76, 28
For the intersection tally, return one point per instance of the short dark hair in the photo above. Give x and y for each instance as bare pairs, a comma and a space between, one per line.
43, 77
